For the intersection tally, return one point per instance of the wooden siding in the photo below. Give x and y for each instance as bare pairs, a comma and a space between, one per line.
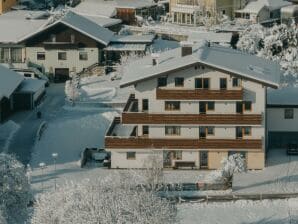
232, 119
171, 143
198, 94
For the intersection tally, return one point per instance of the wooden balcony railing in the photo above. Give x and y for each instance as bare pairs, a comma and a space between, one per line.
212, 119
140, 143
198, 94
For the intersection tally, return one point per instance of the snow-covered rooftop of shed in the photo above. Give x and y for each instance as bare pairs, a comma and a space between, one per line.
126, 47
31, 85
16, 25
256, 5
287, 96
9, 81
218, 57
133, 38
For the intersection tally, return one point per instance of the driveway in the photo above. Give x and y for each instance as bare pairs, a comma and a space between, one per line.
280, 175
23, 141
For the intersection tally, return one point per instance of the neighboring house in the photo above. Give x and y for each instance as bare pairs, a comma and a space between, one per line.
126, 10
289, 14
193, 106
260, 11
9, 82
6, 5
282, 117
192, 12
62, 43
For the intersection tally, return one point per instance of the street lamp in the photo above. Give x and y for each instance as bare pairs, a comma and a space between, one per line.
42, 165
55, 155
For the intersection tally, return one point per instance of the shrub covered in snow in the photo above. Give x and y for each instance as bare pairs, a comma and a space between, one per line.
14, 190
229, 166
114, 199
278, 43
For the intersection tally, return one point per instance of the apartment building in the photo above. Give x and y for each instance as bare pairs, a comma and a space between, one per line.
193, 106
193, 12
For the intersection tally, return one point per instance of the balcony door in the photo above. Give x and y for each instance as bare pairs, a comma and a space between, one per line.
239, 107
202, 107
167, 159
203, 159
239, 133
202, 131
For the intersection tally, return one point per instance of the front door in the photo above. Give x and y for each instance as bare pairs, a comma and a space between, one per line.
203, 159
167, 159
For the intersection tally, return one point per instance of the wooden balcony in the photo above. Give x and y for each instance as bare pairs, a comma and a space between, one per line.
172, 143
205, 119
198, 94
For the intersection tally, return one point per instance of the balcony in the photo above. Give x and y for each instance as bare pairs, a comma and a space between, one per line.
198, 94
125, 137
131, 115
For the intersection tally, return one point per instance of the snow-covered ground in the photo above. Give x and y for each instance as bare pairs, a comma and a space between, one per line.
240, 212
7, 131
280, 175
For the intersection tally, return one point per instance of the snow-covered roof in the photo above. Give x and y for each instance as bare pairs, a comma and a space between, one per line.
9, 81
82, 25
103, 21
134, 4
287, 96
31, 85
255, 6
217, 57
126, 47
133, 38
16, 26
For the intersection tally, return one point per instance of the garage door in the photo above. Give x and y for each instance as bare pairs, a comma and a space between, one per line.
61, 74
281, 139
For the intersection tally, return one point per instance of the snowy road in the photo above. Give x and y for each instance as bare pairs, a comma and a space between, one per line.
23, 141
280, 175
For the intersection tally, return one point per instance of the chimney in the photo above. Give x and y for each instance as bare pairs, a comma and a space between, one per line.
155, 58
186, 48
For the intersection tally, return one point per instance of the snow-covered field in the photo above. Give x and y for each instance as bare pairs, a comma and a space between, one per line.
240, 212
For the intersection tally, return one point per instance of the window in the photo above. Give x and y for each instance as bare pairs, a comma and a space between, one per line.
53, 38
162, 81
41, 56
223, 83
177, 155
28, 75
179, 82
72, 38
131, 155
236, 82
210, 106
246, 131
172, 130
16, 55
145, 130
145, 105
62, 56
202, 83
172, 105
210, 130
4, 55
247, 106
289, 113
83, 56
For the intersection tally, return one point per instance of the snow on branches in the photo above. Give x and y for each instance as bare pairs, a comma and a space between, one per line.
15, 191
113, 199
278, 43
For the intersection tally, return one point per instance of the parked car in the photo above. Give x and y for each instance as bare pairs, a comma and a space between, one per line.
292, 148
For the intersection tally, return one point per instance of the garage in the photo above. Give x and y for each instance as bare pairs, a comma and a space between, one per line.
61, 74
29, 94
281, 139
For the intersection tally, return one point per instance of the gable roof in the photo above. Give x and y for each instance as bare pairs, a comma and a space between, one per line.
9, 81
255, 6
220, 58
80, 24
